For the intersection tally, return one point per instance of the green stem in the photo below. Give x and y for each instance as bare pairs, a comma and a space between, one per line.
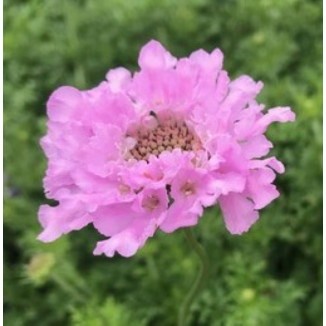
200, 280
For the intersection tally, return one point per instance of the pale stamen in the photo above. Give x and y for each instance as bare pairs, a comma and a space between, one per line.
166, 136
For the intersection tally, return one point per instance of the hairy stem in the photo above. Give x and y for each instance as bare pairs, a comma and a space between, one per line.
200, 280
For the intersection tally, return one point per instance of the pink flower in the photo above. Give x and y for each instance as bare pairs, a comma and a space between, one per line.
151, 150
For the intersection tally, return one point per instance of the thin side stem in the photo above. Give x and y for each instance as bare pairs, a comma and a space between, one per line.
200, 280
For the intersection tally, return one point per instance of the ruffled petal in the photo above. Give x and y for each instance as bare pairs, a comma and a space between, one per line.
280, 114
242, 91
229, 182
272, 162
154, 56
178, 216
113, 219
209, 62
127, 242
222, 86
118, 79
256, 147
64, 103
260, 187
238, 213
61, 219
113, 109
103, 150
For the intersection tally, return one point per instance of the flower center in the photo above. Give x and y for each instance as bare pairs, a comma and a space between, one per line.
188, 188
124, 189
150, 203
165, 136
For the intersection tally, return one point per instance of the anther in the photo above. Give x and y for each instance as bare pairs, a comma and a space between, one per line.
166, 136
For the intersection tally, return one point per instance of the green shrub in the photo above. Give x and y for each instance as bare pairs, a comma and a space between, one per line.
270, 276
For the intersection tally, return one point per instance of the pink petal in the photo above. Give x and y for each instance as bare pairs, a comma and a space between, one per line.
178, 216
229, 182
127, 242
123, 243
64, 103
256, 147
61, 219
152, 202
154, 56
118, 79
244, 126
272, 162
89, 182
192, 186
210, 62
222, 86
113, 109
280, 114
113, 219
247, 85
238, 213
260, 189
103, 150
242, 91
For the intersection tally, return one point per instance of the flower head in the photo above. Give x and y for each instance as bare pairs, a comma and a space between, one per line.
151, 150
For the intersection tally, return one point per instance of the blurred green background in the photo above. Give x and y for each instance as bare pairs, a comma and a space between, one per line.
269, 276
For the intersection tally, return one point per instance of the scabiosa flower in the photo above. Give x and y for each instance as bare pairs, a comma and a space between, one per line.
151, 150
